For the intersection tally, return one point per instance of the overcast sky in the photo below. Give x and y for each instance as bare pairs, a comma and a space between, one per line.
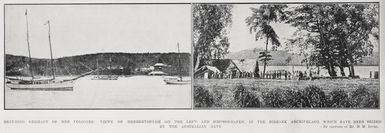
84, 29
137, 28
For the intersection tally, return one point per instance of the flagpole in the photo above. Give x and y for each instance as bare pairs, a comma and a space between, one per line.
29, 50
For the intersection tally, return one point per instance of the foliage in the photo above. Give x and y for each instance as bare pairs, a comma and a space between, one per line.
309, 97
295, 94
273, 98
302, 44
339, 99
264, 56
209, 30
363, 98
293, 98
337, 33
75, 65
259, 22
245, 98
203, 98
314, 97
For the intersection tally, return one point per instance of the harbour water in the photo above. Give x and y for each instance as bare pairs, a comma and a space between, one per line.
126, 92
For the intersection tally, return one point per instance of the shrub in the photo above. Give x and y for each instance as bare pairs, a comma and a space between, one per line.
244, 98
339, 99
217, 96
293, 98
363, 98
202, 98
313, 97
273, 98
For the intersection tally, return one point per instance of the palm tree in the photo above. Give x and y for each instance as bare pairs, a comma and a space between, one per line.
259, 22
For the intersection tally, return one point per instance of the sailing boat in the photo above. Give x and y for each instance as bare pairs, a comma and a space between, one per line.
43, 84
177, 80
104, 77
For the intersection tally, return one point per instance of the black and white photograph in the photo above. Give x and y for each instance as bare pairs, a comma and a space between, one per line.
286, 56
97, 56
186, 66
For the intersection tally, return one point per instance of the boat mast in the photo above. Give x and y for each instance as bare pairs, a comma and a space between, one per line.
110, 71
50, 48
29, 51
97, 65
179, 67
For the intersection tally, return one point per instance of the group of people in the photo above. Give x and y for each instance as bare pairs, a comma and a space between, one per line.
272, 74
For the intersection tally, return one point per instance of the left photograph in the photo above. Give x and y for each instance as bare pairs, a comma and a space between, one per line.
101, 56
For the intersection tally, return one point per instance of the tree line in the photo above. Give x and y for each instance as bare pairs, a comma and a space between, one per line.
108, 63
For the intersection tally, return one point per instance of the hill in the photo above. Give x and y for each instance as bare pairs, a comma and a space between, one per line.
279, 57
111, 63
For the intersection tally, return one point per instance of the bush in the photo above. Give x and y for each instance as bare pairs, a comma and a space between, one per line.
309, 97
273, 98
313, 97
244, 98
339, 99
363, 98
293, 98
217, 96
202, 98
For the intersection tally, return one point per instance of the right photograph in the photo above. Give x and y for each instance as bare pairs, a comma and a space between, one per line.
286, 56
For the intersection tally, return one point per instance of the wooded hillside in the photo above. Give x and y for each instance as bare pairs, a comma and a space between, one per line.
108, 63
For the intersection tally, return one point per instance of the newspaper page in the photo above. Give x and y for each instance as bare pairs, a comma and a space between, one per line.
192, 66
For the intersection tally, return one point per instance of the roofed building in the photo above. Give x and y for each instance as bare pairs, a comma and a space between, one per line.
207, 72
248, 66
225, 65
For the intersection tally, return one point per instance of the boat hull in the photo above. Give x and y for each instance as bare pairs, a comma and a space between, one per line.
59, 86
174, 81
109, 77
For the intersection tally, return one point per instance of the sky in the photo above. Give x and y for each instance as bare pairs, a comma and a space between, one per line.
241, 39
239, 34
85, 29
137, 28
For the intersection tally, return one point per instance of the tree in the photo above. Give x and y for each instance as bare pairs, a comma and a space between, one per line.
221, 48
259, 22
356, 22
302, 44
340, 32
316, 19
209, 32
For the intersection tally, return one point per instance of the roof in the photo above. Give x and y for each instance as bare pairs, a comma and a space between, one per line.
212, 68
247, 65
207, 68
160, 64
222, 64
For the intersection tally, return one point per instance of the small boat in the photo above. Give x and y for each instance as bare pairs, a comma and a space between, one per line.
177, 80
103, 77
157, 73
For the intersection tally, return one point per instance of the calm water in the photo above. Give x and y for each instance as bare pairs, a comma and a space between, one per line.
126, 92
362, 71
